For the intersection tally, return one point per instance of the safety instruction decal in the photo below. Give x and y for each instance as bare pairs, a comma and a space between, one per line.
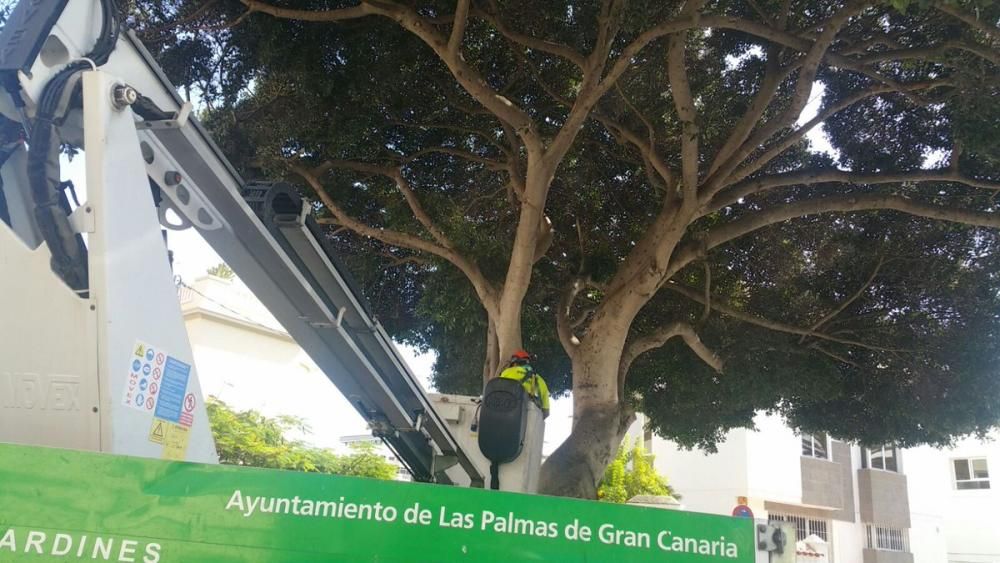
158, 431
146, 365
173, 389
173, 437
175, 441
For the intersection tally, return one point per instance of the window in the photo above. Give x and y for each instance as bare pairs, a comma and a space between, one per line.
815, 445
971, 473
886, 539
885, 458
804, 527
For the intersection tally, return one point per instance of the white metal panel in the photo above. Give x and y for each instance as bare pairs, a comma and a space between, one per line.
130, 275
49, 390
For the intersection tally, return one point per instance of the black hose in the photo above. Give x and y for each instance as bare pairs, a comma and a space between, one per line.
69, 255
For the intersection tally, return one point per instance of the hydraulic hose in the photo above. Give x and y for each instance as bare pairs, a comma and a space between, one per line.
69, 255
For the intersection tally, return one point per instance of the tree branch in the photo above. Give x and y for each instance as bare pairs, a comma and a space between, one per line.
650, 155
986, 27
396, 175
708, 295
458, 153
479, 282
650, 130
695, 250
334, 15
469, 78
729, 311
789, 140
846, 204
458, 27
800, 97
550, 47
758, 185
838, 357
680, 89
847, 302
609, 21
564, 325
773, 77
660, 337
930, 53
483, 135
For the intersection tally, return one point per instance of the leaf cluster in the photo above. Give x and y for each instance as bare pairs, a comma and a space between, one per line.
249, 438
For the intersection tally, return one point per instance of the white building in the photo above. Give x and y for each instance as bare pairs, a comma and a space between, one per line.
918, 505
246, 359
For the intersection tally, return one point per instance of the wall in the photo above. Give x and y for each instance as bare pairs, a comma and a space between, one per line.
884, 498
971, 520
245, 358
929, 488
848, 541
706, 482
773, 461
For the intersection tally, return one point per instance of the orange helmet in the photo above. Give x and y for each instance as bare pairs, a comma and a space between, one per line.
520, 355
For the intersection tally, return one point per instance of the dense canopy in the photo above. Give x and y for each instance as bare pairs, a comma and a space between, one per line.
628, 189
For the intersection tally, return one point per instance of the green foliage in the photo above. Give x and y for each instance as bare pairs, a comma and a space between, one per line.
222, 270
913, 358
902, 5
252, 439
631, 473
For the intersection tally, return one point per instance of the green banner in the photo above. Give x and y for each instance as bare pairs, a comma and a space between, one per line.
67, 505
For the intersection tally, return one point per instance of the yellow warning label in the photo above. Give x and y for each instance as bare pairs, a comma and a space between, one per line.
157, 431
175, 441
140, 350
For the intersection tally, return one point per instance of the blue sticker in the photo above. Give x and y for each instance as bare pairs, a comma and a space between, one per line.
136, 364
142, 384
170, 403
146, 369
149, 355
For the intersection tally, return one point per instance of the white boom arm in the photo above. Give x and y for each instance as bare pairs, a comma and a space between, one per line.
74, 315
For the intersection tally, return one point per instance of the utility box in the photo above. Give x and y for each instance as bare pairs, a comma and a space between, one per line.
776, 542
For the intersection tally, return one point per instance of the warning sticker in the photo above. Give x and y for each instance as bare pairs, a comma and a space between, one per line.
175, 441
145, 367
158, 430
172, 388
187, 417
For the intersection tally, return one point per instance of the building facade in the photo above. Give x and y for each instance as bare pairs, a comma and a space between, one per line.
919, 505
248, 360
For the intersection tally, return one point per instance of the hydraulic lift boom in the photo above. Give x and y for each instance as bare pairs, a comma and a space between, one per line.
72, 75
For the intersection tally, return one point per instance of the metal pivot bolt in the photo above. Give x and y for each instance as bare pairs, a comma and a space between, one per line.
123, 96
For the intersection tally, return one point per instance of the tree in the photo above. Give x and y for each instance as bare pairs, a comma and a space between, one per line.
629, 187
252, 439
221, 270
631, 473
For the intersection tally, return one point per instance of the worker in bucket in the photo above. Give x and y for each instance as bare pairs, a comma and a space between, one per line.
519, 369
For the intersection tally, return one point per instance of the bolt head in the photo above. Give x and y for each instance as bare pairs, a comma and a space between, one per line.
124, 96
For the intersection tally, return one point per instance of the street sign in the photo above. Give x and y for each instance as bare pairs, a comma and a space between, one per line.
81, 505
742, 511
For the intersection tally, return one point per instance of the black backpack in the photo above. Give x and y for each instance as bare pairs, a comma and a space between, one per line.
502, 423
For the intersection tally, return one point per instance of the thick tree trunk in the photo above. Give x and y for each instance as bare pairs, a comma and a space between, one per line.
599, 421
576, 467
492, 360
